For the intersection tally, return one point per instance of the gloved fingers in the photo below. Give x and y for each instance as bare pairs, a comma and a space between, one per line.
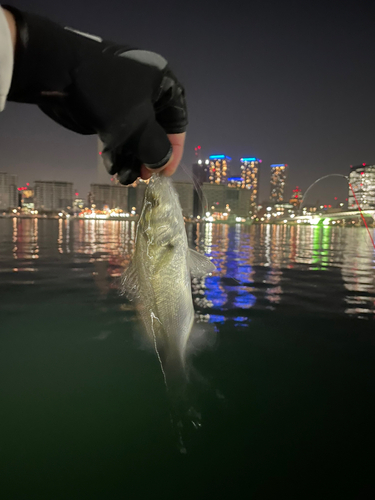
152, 146
119, 161
170, 106
149, 150
128, 175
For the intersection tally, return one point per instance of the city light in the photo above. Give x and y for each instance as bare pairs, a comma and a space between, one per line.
314, 221
220, 157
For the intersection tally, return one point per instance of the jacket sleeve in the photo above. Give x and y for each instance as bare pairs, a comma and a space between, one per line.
6, 59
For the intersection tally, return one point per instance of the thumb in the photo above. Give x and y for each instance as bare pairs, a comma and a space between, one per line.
153, 148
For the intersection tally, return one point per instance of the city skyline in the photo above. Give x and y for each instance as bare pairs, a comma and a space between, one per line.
204, 172
298, 90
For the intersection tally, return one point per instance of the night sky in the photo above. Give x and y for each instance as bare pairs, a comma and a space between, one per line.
287, 82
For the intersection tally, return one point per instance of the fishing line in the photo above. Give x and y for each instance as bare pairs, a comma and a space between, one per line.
364, 220
352, 190
197, 188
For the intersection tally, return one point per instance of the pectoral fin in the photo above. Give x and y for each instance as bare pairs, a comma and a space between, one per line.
129, 283
199, 264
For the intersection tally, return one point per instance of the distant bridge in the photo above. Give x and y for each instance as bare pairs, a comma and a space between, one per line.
350, 214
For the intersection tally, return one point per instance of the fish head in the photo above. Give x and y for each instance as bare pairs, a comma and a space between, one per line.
161, 219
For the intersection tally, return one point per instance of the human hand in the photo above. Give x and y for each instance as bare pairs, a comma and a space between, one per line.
177, 141
129, 97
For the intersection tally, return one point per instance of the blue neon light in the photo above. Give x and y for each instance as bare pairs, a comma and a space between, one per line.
278, 165
235, 179
219, 157
249, 159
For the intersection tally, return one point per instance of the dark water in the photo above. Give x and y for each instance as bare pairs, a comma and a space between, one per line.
285, 393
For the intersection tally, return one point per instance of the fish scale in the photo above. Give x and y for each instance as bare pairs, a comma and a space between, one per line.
158, 279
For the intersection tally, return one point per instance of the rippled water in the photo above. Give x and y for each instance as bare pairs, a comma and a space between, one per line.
284, 388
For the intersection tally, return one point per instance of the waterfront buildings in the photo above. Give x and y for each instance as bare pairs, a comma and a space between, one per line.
26, 198
219, 169
278, 178
218, 198
239, 201
185, 191
136, 194
78, 204
214, 197
224, 191
53, 195
110, 196
362, 180
296, 198
8, 191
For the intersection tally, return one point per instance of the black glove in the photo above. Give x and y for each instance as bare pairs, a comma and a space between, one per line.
129, 97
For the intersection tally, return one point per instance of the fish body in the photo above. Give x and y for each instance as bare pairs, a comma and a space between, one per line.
159, 276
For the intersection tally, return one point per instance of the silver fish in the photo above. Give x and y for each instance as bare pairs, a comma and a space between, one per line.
159, 276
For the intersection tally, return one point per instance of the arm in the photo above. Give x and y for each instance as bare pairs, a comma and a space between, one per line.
7, 47
130, 98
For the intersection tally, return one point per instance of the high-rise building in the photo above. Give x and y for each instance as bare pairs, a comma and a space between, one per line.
238, 201
235, 182
185, 191
201, 171
78, 204
53, 195
110, 195
362, 180
200, 175
26, 198
219, 168
278, 178
214, 197
231, 199
250, 179
297, 197
8, 191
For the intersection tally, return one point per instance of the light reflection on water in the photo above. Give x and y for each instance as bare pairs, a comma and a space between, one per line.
327, 270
